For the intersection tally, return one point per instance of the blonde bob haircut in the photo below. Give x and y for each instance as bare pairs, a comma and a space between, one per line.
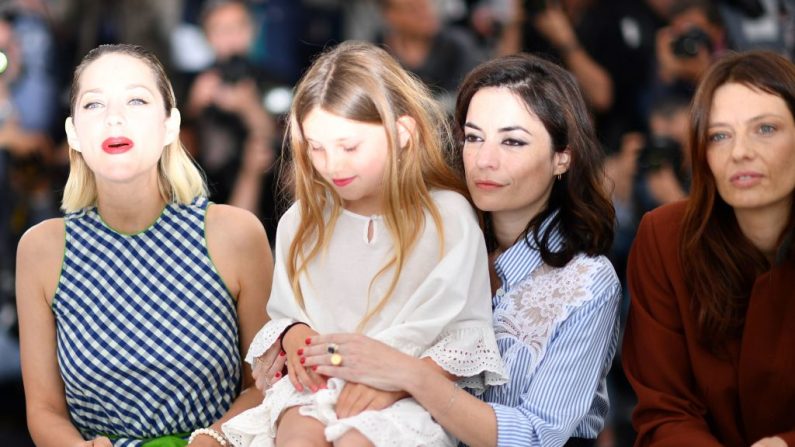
361, 82
179, 179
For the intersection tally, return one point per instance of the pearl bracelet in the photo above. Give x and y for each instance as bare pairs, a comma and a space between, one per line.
211, 432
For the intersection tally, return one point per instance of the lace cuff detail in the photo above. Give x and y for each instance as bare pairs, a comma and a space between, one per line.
266, 337
472, 354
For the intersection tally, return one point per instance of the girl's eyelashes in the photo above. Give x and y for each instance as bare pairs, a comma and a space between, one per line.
138, 101
91, 105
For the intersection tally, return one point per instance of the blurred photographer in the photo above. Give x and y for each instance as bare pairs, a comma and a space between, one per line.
663, 165
687, 47
571, 31
234, 136
27, 105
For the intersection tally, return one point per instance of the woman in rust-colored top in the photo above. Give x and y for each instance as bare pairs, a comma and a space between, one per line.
710, 342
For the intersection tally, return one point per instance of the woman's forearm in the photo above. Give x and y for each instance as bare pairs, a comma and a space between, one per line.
466, 417
52, 429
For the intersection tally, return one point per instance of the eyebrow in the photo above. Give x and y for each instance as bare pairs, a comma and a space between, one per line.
750, 120
502, 129
129, 87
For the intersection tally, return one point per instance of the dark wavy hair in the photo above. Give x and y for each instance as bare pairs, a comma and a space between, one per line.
582, 210
719, 263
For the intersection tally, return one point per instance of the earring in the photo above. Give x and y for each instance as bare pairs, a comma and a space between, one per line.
559, 176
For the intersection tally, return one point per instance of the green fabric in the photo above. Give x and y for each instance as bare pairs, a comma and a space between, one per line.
166, 441
175, 440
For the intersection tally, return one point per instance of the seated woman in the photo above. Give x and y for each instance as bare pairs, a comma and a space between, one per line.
708, 345
533, 167
133, 306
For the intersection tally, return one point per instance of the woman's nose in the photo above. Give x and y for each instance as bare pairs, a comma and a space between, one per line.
114, 116
487, 156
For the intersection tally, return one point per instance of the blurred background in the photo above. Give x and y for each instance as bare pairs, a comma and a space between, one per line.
234, 63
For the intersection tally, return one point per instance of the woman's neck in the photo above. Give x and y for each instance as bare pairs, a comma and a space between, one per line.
129, 208
764, 227
508, 227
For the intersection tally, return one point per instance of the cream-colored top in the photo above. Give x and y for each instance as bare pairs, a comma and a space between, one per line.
441, 307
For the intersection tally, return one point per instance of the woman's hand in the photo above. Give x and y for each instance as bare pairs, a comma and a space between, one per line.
363, 360
356, 398
268, 367
295, 342
770, 442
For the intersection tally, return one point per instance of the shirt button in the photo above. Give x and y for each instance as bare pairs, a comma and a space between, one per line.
500, 292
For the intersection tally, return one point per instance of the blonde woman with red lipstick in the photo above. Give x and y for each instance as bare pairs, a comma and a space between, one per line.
381, 241
533, 167
709, 340
133, 306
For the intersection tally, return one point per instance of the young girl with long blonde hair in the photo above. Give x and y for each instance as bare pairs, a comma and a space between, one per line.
380, 241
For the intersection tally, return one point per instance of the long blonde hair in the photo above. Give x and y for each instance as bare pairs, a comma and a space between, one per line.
362, 82
179, 179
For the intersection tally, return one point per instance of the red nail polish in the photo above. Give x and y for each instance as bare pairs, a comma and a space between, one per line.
278, 374
301, 351
303, 360
282, 354
314, 389
314, 368
308, 340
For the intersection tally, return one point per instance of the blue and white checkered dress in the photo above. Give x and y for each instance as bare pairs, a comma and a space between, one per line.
147, 333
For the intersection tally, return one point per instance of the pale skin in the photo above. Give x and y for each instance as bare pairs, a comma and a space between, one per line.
505, 146
129, 201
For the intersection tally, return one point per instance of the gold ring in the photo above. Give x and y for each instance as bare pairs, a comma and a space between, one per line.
332, 348
336, 359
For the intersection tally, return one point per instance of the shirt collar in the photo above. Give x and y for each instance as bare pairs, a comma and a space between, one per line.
520, 259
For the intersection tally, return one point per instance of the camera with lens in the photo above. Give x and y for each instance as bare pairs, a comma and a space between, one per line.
236, 69
687, 44
659, 152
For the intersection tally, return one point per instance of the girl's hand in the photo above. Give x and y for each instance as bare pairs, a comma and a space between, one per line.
268, 367
356, 398
295, 341
363, 360
99, 441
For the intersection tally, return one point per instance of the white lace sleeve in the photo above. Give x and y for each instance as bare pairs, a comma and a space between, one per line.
472, 354
266, 336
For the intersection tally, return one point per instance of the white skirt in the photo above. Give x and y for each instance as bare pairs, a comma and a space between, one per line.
403, 424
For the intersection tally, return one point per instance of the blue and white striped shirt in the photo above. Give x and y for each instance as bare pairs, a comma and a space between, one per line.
557, 330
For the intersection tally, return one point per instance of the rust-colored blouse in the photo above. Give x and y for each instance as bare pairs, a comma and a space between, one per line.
686, 395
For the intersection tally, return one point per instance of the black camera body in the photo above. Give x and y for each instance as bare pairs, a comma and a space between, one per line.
660, 151
687, 44
236, 69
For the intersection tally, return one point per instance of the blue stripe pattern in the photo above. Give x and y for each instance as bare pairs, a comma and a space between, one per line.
565, 395
147, 336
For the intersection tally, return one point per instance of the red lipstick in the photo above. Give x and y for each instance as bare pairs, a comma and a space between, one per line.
342, 181
117, 145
